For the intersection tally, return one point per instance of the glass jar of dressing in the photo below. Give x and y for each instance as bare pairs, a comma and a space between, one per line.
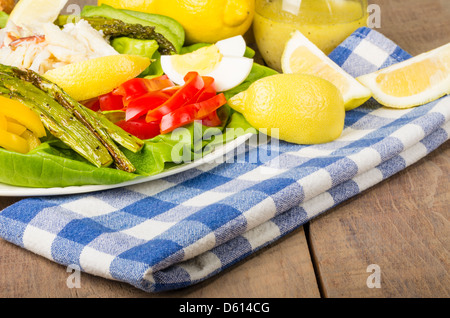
326, 23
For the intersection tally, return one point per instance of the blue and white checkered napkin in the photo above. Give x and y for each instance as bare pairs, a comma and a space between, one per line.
180, 230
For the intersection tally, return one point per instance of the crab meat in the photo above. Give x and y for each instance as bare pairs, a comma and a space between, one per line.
34, 39
53, 47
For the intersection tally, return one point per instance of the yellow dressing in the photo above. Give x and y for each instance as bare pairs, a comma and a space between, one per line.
326, 23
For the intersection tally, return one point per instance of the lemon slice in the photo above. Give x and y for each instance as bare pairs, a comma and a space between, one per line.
302, 56
414, 82
94, 77
36, 12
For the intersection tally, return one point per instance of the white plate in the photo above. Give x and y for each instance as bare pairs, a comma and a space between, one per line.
14, 191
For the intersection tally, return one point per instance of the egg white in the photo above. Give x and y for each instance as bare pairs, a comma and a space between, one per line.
234, 46
231, 71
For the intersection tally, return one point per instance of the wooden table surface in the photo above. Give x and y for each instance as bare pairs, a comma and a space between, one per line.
401, 225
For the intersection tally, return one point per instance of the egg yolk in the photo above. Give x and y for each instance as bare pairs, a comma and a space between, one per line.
203, 60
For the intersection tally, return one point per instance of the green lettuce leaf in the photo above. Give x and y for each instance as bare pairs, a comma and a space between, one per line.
50, 166
145, 48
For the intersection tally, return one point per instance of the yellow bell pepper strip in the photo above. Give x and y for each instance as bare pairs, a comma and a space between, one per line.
15, 128
13, 142
3, 122
31, 139
24, 115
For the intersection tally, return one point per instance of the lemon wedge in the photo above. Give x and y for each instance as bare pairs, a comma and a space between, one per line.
414, 82
30, 13
97, 76
302, 56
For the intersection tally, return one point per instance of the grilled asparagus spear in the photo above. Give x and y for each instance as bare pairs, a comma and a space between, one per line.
117, 28
61, 123
84, 131
101, 124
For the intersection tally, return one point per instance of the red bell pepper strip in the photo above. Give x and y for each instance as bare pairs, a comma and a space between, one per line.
188, 113
206, 107
143, 104
193, 83
157, 83
110, 102
176, 119
208, 91
92, 104
212, 120
140, 86
140, 128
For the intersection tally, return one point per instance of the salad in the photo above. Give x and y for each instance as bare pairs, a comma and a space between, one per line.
175, 111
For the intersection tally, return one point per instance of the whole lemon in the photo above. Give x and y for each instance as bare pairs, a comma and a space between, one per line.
205, 21
298, 108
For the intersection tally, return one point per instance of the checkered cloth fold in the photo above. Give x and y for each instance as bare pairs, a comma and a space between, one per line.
180, 230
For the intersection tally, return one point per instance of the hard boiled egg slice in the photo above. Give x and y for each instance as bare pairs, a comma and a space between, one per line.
234, 46
224, 61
